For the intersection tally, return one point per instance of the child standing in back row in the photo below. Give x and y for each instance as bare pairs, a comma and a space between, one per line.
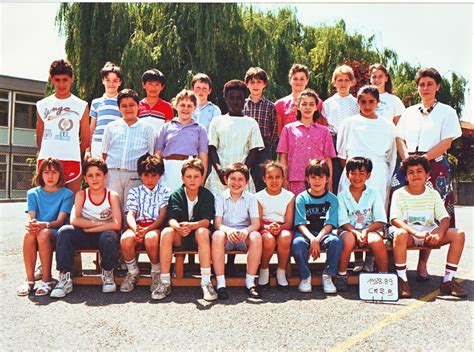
277, 208
205, 111
304, 140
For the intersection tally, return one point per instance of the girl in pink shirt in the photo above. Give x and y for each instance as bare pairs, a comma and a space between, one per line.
304, 140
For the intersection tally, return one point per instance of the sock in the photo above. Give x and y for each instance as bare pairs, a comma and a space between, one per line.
249, 280
220, 281
132, 266
402, 271
264, 276
342, 273
155, 268
450, 271
281, 277
205, 276
165, 277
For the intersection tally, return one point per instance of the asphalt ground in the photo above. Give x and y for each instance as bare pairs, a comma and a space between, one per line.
87, 319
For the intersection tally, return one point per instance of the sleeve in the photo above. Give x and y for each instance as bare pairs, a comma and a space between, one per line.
450, 125
203, 144
209, 210
395, 208
439, 208
151, 139
106, 139
216, 111
255, 138
93, 110
219, 205
213, 136
398, 106
132, 200
161, 139
32, 200
333, 209
342, 136
325, 109
274, 132
67, 202
166, 197
175, 207
392, 151
402, 125
283, 142
300, 211
253, 207
169, 113
329, 150
378, 209
342, 210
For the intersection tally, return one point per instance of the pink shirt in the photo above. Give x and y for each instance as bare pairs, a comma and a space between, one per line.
286, 107
302, 144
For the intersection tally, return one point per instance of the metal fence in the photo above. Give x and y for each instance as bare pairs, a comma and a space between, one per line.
17, 167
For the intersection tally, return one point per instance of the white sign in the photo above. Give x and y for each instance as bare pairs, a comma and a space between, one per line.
378, 287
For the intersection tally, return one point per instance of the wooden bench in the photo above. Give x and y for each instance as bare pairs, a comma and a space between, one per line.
187, 274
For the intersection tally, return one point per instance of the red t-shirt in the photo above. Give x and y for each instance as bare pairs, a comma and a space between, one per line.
157, 114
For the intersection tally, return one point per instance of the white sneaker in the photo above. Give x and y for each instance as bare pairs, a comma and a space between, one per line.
163, 290
369, 263
108, 282
129, 282
208, 292
155, 278
305, 285
63, 287
328, 285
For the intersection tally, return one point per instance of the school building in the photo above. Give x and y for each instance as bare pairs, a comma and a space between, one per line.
18, 97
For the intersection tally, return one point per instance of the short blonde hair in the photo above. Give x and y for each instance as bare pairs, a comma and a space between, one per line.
184, 94
343, 70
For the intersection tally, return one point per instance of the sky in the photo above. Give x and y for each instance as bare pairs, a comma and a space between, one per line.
437, 35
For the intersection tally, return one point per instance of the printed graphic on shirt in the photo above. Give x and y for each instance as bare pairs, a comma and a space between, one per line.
65, 124
317, 214
419, 217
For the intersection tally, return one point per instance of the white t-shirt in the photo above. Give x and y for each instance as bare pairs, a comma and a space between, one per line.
274, 207
423, 132
389, 106
337, 108
191, 204
62, 120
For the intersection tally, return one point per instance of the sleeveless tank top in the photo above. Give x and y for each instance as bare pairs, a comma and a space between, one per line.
97, 211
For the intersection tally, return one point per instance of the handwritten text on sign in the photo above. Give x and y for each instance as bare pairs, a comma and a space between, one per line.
378, 287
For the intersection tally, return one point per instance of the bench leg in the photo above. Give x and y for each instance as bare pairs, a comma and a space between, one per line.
179, 266
77, 264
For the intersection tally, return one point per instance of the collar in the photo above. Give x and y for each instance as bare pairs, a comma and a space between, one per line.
298, 123
262, 100
151, 191
192, 122
200, 107
228, 196
131, 126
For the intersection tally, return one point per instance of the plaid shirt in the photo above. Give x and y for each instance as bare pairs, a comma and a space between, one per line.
265, 114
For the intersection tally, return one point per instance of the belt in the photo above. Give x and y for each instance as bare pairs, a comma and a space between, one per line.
178, 157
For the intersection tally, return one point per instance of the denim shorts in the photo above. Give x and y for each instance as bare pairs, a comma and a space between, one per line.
237, 246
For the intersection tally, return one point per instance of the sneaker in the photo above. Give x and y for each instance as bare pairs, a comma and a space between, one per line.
155, 278
38, 273
305, 285
108, 282
369, 263
129, 282
405, 291
163, 290
63, 287
358, 265
341, 283
222, 293
452, 288
328, 285
208, 292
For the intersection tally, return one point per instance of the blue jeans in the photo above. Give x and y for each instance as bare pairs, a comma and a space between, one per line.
300, 250
70, 238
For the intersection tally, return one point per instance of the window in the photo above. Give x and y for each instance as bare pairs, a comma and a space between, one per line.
25, 110
3, 108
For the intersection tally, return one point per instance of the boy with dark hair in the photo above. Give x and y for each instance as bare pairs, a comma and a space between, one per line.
62, 124
152, 109
125, 140
232, 137
104, 110
205, 111
96, 218
190, 212
315, 218
146, 214
237, 223
264, 112
419, 218
361, 218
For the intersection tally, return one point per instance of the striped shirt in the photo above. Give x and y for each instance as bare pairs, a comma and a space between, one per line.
124, 144
422, 209
104, 110
264, 112
157, 114
205, 113
237, 213
147, 203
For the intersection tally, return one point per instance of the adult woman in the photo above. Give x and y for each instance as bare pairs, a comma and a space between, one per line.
390, 106
429, 128
180, 139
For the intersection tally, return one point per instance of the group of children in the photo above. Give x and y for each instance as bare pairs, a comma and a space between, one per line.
294, 209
